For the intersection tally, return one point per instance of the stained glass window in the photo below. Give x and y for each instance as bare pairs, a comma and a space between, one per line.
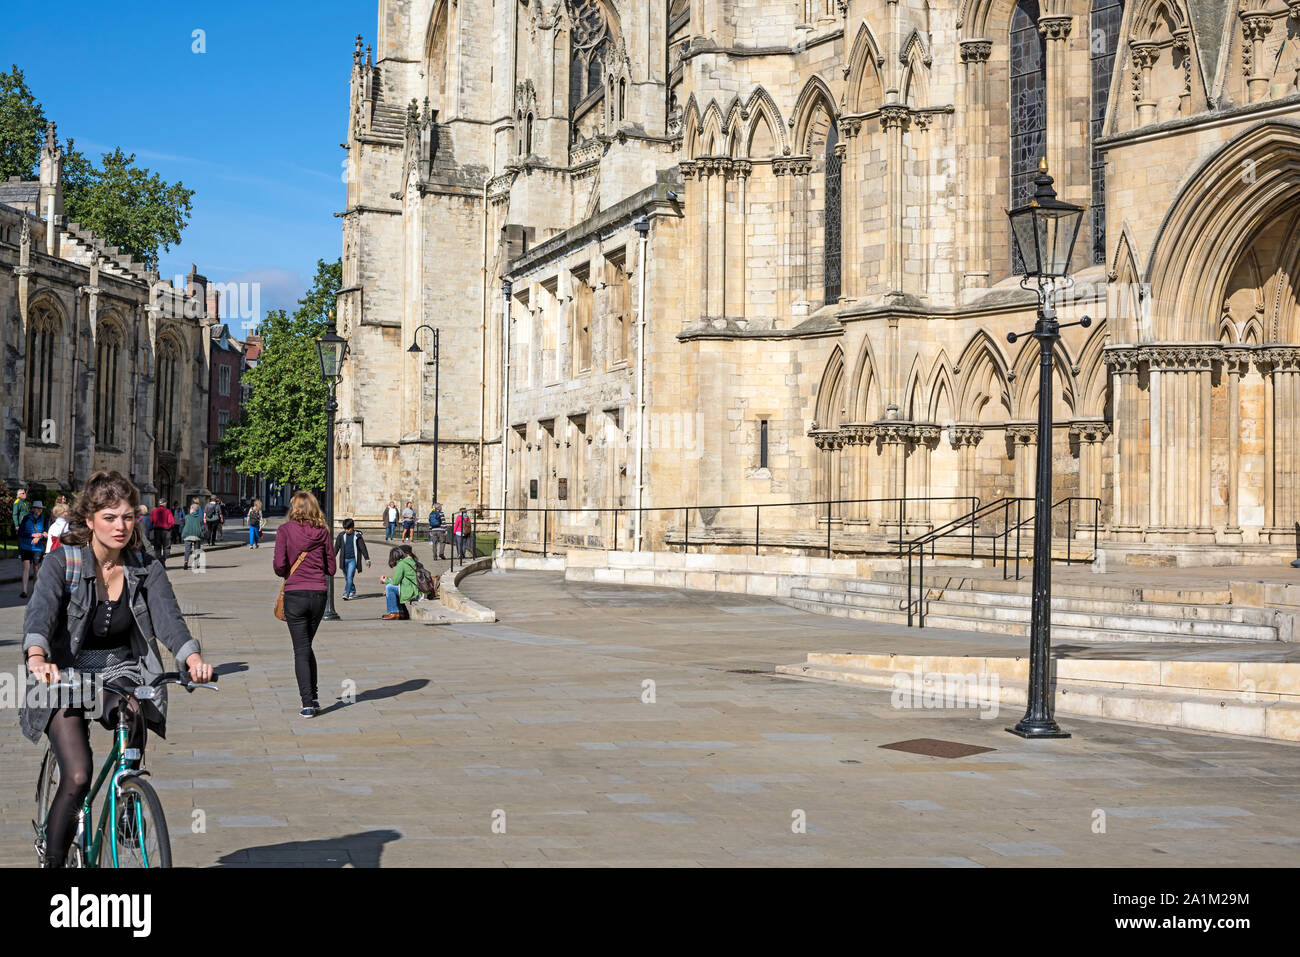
1028, 106
832, 253
1104, 34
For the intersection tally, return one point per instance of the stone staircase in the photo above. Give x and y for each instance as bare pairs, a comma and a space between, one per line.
970, 599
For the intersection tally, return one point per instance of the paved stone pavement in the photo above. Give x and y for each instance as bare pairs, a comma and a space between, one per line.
537, 724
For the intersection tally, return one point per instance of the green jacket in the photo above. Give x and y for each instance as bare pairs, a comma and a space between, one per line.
403, 577
21, 511
193, 527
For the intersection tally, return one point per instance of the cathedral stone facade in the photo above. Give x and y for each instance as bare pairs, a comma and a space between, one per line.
105, 366
717, 253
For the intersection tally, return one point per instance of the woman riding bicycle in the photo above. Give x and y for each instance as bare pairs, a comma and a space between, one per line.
98, 604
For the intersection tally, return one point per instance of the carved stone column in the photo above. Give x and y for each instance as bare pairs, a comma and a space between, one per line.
738, 243
1128, 454
1023, 440
799, 169
1254, 28
1236, 363
1183, 47
895, 118
1282, 367
851, 213
695, 278
975, 58
1144, 57
966, 440
717, 169
1056, 32
1090, 436
781, 170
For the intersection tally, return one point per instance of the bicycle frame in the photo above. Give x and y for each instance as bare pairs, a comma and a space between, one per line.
116, 766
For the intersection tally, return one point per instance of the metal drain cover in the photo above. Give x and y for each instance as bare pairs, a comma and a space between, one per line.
935, 748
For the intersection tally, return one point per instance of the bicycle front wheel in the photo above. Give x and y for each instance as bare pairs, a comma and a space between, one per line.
137, 835
46, 785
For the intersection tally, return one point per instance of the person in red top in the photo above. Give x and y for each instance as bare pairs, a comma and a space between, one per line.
162, 520
304, 558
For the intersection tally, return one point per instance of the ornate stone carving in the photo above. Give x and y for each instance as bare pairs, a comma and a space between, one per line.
978, 51
792, 166
966, 436
894, 116
1090, 431
1022, 435
1055, 28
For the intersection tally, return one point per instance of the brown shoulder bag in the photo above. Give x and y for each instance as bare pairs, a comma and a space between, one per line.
279, 600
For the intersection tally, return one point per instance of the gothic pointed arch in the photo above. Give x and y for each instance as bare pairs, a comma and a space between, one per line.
865, 89
712, 139
1212, 223
1128, 301
979, 19
437, 52
915, 406
762, 109
864, 390
942, 394
916, 60
1093, 378
1064, 387
830, 392
815, 95
692, 128
983, 392
43, 370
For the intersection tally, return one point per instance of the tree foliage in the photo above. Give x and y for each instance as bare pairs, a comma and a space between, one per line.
127, 206
22, 128
282, 432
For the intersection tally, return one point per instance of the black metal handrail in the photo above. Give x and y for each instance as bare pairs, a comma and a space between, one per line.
915, 548
900, 502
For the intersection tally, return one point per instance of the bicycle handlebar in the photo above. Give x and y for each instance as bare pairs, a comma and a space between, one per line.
169, 677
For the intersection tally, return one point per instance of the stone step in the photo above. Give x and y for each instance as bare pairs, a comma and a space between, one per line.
1111, 631
1230, 621
952, 577
1258, 699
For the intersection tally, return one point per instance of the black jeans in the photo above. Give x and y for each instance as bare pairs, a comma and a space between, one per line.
302, 613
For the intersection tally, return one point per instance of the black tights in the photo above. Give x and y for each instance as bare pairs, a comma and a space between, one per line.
69, 734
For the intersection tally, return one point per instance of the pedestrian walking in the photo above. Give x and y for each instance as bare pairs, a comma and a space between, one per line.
304, 559
255, 524
101, 621
350, 550
211, 520
57, 527
21, 508
463, 529
180, 523
32, 531
401, 586
390, 521
408, 522
163, 522
437, 530
192, 534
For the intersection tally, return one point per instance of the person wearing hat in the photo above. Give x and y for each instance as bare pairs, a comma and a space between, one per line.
31, 541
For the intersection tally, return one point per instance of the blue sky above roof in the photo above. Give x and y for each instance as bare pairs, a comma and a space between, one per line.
252, 125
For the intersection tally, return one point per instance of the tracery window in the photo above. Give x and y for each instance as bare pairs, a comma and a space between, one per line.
832, 261
589, 41
107, 359
166, 420
1106, 18
42, 346
1028, 105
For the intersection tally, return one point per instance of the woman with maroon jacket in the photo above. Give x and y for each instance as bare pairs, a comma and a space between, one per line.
305, 560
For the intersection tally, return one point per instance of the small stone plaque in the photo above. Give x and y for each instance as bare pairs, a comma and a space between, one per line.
936, 748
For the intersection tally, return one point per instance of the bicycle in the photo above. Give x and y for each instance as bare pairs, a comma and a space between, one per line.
132, 830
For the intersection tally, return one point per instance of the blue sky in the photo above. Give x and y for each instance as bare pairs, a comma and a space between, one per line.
252, 125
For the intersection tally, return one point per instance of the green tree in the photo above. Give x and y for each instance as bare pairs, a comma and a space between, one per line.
22, 128
282, 431
129, 207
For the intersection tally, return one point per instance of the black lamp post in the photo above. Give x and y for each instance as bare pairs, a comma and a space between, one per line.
333, 349
415, 347
1044, 231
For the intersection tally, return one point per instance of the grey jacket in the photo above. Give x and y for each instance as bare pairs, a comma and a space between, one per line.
59, 614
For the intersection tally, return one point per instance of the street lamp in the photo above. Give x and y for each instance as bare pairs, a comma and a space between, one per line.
332, 349
1044, 231
415, 347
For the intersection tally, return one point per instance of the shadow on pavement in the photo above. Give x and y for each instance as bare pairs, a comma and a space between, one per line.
363, 849
378, 694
